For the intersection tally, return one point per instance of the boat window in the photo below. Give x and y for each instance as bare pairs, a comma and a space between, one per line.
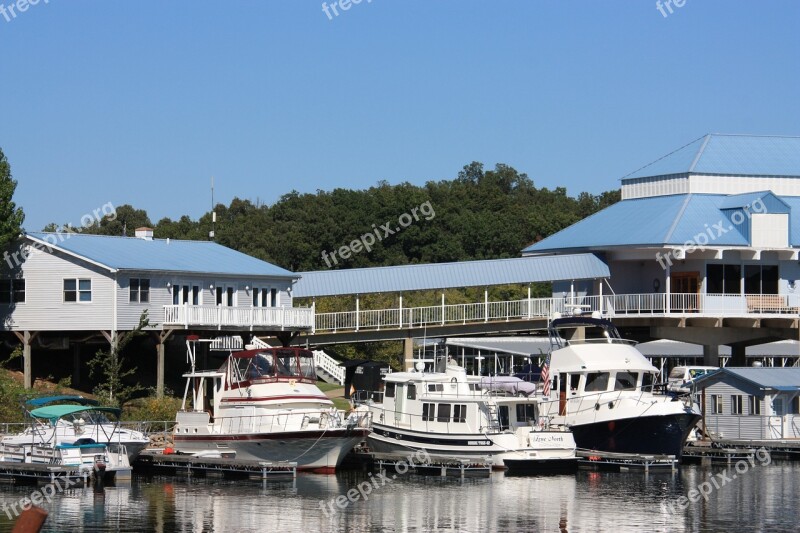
526, 412
502, 415
428, 412
435, 387
411, 394
460, 413
597, 381
626, 380
389, 390
648, 379
286, 363
444, 413
306, 360
574, 381
260, 366
677, 372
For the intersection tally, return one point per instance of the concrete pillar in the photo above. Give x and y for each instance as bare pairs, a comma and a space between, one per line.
408, 353
738, 355
711, 355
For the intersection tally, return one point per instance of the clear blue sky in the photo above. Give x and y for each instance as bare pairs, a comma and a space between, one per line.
141, 102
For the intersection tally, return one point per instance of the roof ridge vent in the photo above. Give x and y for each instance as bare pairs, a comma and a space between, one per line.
144, 233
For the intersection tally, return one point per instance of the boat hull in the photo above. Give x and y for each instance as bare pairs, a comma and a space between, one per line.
319, 451
559, 450
652, 435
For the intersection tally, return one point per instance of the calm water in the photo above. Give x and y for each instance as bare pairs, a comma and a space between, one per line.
765, 498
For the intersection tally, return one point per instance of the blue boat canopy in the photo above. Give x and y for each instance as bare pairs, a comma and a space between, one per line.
46, 400
54, 412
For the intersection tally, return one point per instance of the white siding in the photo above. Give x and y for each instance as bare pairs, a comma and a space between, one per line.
657, 186
770, 231
781, 186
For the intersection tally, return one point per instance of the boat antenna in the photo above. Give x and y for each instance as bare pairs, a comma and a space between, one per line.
213, 213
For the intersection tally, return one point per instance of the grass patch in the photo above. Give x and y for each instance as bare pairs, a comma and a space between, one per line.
325, 387
341, 403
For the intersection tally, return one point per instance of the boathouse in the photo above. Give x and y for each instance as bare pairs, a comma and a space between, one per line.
703, 248
70, 293
752, 403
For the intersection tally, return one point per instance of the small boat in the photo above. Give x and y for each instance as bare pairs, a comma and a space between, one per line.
264, 405
82, 418
102, 460
606, 392
450, 414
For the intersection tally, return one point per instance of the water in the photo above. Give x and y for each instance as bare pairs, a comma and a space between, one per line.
763, 498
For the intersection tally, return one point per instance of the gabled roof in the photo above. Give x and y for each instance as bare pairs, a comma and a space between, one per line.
780, 379
447, 275
729, 155
771, 203
652, 222
163, 255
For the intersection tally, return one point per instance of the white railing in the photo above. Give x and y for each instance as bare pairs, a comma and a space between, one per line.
246, 317
329, 365
611, 305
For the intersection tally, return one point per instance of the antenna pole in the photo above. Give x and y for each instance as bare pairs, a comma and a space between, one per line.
213, 213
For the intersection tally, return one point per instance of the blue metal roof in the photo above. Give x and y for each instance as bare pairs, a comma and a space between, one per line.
771, 203
132, 253
729, 155
449, 275
655, 221
782, 379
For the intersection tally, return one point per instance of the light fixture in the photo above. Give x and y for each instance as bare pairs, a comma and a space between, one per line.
169, 284
211, 287
247, 288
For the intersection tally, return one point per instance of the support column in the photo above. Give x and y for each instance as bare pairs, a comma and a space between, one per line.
26, 337
161, 338
408, 353
711, 355
738, 355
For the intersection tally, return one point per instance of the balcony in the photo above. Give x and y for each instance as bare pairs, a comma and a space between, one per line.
251, 318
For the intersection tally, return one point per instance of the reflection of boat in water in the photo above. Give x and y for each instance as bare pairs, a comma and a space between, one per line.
450, 414
265, 405
82, 419
103, 460
604, 389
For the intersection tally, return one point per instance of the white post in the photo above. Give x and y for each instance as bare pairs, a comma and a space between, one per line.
529, 301
572, 292
601, 297
668, 289
401, 311
486, 305
443, 308
358, 308
313, 315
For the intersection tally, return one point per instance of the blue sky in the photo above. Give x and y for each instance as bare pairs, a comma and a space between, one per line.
142, 102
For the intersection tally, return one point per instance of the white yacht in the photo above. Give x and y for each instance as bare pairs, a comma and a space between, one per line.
81, 419
604, 390
265, 405
450, 414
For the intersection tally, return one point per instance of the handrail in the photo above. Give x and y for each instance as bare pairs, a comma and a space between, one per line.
219, 315
329, 365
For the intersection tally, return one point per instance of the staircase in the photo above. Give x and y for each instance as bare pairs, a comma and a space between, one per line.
328, 369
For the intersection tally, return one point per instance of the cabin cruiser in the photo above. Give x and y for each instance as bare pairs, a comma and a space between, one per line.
451, 415
81, 419
604, 390
264, 405
101, 460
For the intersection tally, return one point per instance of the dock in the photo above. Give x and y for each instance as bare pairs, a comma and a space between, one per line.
221, 467
42, 474
622, 462
706, 454
436, 465
777, 448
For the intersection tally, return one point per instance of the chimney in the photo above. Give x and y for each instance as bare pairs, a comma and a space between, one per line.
144, 233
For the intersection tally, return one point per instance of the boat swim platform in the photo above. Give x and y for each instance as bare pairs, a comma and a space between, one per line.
16, 472
444, 466
155, 461
623, 462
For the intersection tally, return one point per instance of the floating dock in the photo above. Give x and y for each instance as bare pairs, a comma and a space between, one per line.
42, 473
706, 454
622, 462
222, 467
777, 448
432, 465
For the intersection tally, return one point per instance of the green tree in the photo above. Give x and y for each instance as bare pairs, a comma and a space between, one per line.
11, 216
112, 369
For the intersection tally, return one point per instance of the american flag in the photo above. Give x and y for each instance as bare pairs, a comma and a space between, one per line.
546, 376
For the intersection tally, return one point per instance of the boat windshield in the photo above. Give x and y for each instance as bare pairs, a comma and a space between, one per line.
278, 363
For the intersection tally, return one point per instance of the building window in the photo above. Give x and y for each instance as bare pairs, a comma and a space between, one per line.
12, 291
261, 298
229, 292
723, 279
273, 297
737, 404
796, 405
140, 290
444, 413
195, 295
761, 279
77, 290
460, 413
716, 404
755, 405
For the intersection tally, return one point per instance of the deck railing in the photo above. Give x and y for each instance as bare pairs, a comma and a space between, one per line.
609, 305
244, 317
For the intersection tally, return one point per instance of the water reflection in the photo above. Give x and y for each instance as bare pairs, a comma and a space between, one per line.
762, 499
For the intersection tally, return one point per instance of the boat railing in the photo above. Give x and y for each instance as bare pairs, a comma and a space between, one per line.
594, 401
296, 420
599, 340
